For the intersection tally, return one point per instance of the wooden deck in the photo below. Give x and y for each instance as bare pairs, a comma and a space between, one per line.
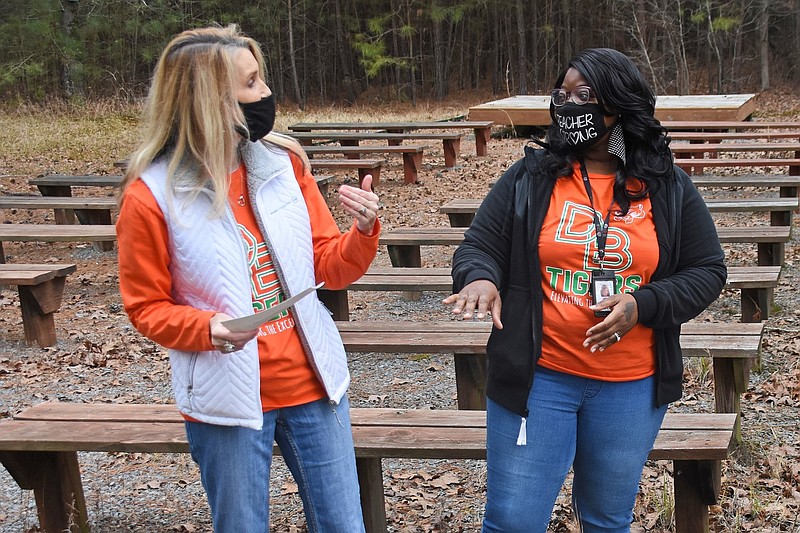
534, 110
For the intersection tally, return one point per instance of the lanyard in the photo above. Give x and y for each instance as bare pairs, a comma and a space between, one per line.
600, 226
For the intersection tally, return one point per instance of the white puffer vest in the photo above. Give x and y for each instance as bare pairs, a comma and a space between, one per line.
210, 272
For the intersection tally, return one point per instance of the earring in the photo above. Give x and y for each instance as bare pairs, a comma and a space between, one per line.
616, 142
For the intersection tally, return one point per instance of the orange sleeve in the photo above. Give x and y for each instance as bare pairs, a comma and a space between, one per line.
145, 280
339, 258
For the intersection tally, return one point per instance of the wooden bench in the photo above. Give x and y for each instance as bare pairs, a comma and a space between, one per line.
717, 137
451, 142
756, 285
88, 210
722, 125
699, 165
39, 448
461, 211
787, 185
412, 155
102, 236
61, 185
732, 346
362, 166
404, 244
481, 128
41, 289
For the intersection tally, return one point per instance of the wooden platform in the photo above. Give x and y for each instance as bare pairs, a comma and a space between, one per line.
534, 110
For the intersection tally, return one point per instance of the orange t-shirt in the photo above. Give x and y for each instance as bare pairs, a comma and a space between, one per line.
567, 253
287, 377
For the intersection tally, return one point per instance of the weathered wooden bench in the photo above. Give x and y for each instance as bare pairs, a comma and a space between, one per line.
95, 210
699, 165
481, 128
412, 155
41, 289
451, 142
403, 244
717, 137
102, 236
755, 283
39, 447
732, 346
723, 125
461, 211
61, 185
786, 184
362, 166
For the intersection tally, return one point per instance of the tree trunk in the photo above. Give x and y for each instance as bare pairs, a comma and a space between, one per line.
70, 83
348, 77
522, 75
292, 60
763, 42
411, 63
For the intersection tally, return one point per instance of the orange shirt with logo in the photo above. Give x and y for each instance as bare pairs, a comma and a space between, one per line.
568, 254
287, 377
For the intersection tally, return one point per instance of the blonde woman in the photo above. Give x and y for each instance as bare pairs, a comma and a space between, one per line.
219, 219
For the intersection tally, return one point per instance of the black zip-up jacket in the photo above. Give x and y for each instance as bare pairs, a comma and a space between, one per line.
501, 245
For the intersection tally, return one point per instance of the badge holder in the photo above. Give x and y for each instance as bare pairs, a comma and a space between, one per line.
603, 285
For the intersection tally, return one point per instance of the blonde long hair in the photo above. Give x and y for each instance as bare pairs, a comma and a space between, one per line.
192, 114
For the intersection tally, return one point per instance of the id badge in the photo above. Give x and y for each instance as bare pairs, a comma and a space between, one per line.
603, 286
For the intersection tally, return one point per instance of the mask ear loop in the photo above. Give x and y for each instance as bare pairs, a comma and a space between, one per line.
616, 142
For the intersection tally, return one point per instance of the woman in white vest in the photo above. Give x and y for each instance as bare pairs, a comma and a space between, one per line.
220, 219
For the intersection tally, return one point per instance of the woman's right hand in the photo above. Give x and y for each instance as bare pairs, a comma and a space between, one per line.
479, 297
222, 336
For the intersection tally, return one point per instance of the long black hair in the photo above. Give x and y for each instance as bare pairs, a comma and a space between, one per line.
619, 87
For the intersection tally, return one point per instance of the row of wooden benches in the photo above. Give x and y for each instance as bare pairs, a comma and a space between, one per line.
40, 446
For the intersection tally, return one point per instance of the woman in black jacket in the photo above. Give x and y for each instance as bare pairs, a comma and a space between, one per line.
574, 381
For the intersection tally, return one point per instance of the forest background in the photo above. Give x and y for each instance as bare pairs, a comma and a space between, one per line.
360, 51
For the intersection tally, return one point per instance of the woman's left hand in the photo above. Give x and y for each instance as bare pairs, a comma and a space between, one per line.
624, 316
361, 203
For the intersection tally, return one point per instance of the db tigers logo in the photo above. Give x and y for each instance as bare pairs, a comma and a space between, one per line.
577, 227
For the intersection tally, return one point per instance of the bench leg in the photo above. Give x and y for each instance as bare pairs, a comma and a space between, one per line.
460, 220
471, 381
405, 256
780, 218
755, 304
336, 302
55, 479
482, 136
373, 505
770, 253
95, 217
63, 216
411, 165
730, 382
38, 303
697, 484
451, 150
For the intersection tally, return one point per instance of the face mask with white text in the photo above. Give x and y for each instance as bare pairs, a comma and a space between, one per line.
581, 125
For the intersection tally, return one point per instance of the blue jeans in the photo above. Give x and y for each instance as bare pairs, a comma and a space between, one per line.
604, 430
316, 442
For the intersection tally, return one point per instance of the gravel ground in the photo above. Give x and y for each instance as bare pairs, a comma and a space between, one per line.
100, 358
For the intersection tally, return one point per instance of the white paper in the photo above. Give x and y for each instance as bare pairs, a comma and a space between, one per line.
254, 321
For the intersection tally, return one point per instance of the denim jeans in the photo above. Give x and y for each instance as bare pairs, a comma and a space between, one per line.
604, 430
316, 442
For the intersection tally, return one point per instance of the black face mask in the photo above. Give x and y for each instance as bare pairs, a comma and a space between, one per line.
260, 116
581, 125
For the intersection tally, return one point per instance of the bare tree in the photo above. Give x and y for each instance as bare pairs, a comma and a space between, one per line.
292, 59
763, 42
522, 81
